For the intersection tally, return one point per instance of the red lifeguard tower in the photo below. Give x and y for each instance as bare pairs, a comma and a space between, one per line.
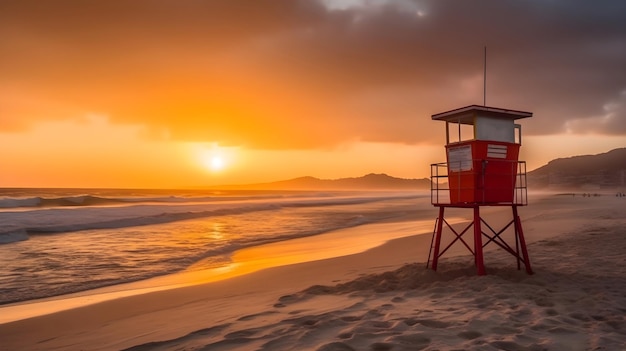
482, 169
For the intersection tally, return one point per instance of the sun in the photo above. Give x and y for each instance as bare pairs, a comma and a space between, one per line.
216, 163
213, 158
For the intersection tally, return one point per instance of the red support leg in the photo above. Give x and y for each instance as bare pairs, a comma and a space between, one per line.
478, 243
438, 238
522, 241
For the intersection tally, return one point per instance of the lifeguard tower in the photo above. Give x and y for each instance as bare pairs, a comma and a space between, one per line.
482, 169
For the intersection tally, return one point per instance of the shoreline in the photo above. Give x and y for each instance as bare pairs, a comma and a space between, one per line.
253, 300
245, 261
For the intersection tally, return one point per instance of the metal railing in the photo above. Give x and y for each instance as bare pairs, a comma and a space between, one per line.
485, 182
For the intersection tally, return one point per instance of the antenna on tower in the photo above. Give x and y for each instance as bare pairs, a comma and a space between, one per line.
485, 78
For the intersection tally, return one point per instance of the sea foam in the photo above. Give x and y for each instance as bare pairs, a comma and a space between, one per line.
43, 220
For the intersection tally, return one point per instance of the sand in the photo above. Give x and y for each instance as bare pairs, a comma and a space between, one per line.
379, 299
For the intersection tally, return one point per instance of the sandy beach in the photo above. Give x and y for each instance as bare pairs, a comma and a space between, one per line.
369, 290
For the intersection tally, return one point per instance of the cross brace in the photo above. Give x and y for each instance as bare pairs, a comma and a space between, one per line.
492, 236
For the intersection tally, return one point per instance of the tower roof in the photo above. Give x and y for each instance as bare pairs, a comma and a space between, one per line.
466, 115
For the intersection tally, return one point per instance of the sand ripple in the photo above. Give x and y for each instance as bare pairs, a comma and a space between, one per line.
575, 301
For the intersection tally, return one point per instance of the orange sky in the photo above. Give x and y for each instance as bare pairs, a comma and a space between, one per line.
147, 94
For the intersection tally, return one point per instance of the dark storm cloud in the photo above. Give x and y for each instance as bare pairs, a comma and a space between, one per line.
300, 74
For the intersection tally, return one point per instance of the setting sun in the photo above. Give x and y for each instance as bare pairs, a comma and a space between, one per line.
216, 163
213, 161
212, 157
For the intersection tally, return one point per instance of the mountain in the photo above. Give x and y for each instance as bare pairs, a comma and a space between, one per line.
607, 170
368, 182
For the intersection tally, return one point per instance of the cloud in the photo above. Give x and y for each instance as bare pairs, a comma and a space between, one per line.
611, 121
303, 74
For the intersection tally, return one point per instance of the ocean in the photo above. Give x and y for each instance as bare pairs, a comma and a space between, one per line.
60, 241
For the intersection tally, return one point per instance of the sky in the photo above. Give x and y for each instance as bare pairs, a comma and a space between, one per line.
170, 94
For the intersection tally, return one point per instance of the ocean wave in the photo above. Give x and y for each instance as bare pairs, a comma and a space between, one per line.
8, 203
14, 198
12, 235
61, 220
37, 222
90, 200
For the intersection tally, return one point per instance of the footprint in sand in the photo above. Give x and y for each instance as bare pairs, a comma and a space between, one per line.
380, 324
387, 306
335, 346
246, 333
430, 323
580, 316
253, 316
410, 322
345, 335
544, 302
469, 335
504, 330
381, 346
561, 330
414, 341
507, 345
283, 301
552, 312
351, 318
294, 312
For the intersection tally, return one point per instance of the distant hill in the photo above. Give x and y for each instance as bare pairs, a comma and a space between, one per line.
607, 170
602, 171
368, 182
